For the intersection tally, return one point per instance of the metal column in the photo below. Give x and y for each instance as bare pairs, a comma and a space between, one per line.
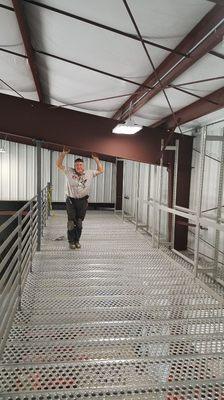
219, 208
39, 199
49, 190
148, 197
137, 196
160, 187
123, 195
154, 206
19, 260
176, 160
199, 198
51, 166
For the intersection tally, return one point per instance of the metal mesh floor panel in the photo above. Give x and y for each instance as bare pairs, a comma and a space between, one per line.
117, 319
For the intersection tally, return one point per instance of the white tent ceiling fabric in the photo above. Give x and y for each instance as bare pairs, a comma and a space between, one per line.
165, 22
14, 70
205, 68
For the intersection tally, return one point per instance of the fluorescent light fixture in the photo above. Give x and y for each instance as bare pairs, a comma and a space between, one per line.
128, 128
2, 150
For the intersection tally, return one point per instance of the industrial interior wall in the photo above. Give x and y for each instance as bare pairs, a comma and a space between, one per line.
210, 191
18, 175
103, 186
18, 178
149, 178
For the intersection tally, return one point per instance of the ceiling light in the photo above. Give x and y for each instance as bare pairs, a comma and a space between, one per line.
2, 150
127, 128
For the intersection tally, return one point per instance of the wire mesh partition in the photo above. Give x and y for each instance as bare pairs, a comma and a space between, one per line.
20, 236
156, 220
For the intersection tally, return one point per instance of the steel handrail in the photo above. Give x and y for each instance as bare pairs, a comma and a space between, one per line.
16, 259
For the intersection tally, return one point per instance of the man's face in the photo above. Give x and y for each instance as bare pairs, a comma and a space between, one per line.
79, 167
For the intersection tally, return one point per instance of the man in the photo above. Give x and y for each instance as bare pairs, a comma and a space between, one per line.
78, 188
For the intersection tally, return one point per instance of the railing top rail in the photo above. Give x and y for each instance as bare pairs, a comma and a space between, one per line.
14, 216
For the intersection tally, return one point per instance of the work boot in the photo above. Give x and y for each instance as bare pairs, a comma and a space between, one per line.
78, 245
72, 246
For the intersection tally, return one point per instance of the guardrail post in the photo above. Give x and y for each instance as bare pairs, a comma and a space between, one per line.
123, 194
49, 198
148, 197
160, 188
19, 259
219, 208
176, 165
199, 198
31, 236
137, 197
154, 206
45, 205
39, 196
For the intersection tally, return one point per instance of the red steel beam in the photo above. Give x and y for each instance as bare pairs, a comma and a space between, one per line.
80, 131
173, 66
194, 110
18, 8
220, 2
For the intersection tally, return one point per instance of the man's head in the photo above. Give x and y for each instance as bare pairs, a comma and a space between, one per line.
79, 165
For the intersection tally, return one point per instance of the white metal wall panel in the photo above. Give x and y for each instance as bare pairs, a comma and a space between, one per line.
4, 162
143, 192
45, 167
18, 171
12, 171
22, 172
210, 191
31, 181
146, 179
129, 186
103, 186
18, 174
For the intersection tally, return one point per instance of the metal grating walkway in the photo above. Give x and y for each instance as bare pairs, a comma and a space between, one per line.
118, 319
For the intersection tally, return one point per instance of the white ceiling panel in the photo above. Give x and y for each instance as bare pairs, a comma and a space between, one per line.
157, 108
14, 70
7, 3
70, 84
167, 22
205, 68
86, 44
58, 104
9, 31
163, 21
27, 95
205, 120
143, 121
220, 47
106, 12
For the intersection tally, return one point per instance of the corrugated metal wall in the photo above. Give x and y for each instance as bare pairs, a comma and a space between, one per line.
148, 177
210, 190
18, 171
103, 187
18, 175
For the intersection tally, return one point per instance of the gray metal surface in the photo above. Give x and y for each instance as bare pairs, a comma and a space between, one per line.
117, 319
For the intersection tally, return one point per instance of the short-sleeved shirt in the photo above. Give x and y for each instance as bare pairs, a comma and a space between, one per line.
78, 186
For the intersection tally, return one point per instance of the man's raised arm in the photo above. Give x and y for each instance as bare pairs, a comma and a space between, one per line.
100, 167
61, 157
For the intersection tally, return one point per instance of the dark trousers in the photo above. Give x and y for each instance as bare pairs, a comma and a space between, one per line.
76, 210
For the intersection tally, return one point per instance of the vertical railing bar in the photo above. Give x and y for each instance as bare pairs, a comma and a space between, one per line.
199, 198
176, 163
